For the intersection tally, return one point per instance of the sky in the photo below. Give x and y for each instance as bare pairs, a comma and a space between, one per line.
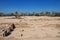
8, 6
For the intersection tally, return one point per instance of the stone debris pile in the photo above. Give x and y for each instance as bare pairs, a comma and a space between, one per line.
6, 29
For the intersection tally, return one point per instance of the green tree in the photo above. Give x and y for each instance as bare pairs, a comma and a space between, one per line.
17, 15
1, 14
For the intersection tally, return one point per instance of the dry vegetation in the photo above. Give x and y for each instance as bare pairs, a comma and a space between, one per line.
33, 28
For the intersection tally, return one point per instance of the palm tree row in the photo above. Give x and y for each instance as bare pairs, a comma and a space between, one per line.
16, 14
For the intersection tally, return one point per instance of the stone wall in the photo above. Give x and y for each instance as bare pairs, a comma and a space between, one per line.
6, 29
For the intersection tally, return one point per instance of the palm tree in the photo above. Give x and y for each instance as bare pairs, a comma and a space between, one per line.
1, 13
17, 15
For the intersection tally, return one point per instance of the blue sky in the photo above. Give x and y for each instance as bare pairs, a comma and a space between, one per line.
8, 6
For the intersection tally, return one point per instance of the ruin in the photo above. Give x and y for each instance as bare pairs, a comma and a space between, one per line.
30, 28
5, 29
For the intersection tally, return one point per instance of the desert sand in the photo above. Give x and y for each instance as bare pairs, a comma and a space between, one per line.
33, 28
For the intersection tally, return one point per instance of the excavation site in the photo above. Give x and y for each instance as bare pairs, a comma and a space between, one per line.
30, 28
29, 19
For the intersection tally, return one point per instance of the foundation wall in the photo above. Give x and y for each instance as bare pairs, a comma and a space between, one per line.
6, 29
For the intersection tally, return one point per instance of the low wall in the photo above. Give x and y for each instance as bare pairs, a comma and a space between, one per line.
6, 29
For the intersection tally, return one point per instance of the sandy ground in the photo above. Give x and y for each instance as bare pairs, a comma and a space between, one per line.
33, 28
